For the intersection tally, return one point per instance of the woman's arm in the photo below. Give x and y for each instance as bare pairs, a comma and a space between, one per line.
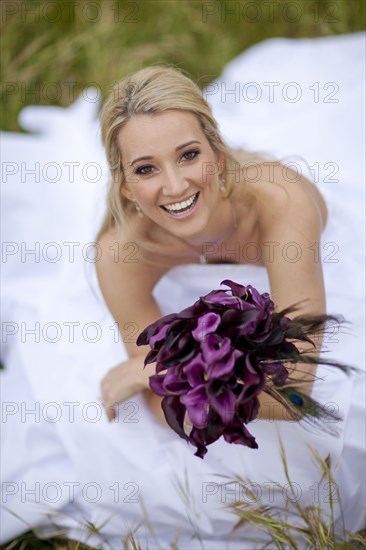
127, 290
290, 233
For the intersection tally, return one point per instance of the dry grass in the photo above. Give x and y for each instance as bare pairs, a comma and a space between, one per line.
298, 526
294, 527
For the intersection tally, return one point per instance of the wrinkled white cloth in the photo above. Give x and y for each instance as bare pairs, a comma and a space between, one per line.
61, 459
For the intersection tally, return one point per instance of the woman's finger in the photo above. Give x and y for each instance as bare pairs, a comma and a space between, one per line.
111, 413
110, 410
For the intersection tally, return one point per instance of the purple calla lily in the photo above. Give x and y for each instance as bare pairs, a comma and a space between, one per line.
214, 358
197, 406
206, 324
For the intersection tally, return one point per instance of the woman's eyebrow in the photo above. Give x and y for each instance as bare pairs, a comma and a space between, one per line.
177, 149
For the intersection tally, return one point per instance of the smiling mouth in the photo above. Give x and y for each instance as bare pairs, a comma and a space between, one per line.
189, 205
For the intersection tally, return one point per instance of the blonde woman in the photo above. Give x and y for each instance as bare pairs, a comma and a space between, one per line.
177, 223
179, 195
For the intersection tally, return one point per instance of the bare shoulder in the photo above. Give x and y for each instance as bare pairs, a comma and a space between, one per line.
120, 257
281, 191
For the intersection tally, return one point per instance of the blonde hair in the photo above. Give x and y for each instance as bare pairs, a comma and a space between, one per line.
152, 90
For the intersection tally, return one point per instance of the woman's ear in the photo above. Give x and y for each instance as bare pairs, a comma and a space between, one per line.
126, 192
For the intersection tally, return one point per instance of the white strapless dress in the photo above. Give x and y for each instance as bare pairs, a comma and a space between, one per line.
62, 461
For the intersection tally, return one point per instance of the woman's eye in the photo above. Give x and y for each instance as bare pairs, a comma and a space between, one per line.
147, 169
190, 155
141, 170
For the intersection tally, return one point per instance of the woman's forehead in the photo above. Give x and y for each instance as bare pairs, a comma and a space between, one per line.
166, 129
171, 117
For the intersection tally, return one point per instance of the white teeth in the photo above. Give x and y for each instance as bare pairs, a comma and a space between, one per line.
181, 205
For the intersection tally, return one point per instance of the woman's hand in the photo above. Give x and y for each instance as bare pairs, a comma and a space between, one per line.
123, 381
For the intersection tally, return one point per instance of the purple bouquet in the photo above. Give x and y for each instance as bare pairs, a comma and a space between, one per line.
215, 357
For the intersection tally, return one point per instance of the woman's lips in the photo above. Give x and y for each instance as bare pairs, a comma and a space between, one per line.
186, 213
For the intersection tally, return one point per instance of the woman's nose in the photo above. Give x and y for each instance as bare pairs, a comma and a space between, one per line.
175, 184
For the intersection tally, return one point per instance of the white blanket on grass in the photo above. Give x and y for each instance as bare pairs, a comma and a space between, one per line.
61, 459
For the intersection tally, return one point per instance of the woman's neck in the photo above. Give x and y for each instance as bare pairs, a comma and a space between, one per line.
216, 234
220, 228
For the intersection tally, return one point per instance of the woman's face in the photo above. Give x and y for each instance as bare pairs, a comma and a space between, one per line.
176, 182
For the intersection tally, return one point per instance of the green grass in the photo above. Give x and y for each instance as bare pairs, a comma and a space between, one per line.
29, 541
52, 50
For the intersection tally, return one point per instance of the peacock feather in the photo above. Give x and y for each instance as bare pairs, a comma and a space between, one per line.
301, 407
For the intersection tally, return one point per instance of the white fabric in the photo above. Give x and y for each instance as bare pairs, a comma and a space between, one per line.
116, 467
